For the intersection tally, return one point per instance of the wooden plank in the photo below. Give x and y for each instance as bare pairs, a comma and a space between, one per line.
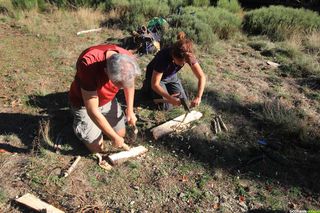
125, 155
168, 127
37, 204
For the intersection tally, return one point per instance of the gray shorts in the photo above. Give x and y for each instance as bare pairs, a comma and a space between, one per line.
86, 130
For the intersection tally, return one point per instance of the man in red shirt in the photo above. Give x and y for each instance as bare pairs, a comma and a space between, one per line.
101, 71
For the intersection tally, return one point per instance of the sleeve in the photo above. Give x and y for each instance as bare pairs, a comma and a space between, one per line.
86, 76
192, 60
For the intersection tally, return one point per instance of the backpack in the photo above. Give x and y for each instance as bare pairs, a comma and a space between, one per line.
147, 39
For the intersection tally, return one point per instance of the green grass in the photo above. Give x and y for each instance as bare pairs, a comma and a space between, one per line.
295, 192
3, 197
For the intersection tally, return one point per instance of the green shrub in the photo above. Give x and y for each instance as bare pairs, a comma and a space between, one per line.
280, 23
204, 25
119, 5
6, 8
199, 3
28, 4
302, 65
230, 5
133, 13
175, 4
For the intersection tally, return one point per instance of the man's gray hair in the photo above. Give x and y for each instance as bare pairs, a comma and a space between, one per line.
122, 69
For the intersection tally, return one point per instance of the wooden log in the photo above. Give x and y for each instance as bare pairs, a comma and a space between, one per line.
37, 204
125, 155
168, 127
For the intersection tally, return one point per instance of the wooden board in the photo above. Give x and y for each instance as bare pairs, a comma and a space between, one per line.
37, 204
125, 155
168, 127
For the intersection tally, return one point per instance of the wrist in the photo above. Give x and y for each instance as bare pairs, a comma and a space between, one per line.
129, 111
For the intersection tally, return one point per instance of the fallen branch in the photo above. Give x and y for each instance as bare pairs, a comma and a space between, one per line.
214, 124
218, 124
89, 31
72, 167
222, 123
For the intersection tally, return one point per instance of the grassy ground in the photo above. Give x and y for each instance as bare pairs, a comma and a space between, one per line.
195, 171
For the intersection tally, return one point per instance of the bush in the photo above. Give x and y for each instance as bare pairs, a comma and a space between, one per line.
279, 23
29, 4
203, 25
230, 5
199, 3
133, 13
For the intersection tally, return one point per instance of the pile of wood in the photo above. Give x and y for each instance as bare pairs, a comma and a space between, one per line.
218, 125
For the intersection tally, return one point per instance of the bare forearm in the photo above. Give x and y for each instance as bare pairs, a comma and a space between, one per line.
129, 95
201, 85
158, 89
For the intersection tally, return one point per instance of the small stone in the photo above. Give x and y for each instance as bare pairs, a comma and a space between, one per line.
136, 187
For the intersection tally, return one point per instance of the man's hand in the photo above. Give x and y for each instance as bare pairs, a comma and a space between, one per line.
131, 118
195, 102
119, 143
174, 100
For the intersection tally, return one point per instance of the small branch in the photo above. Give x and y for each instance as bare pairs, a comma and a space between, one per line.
218, 125
72, 167
89, 31
222, 123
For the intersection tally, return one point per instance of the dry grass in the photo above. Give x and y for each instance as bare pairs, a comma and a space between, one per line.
295, 41
65, 22
313, 42
89, 18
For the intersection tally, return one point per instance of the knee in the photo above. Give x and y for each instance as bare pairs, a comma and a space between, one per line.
96, 146
121, 132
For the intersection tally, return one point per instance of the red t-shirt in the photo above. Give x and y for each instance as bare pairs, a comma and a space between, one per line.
91, 75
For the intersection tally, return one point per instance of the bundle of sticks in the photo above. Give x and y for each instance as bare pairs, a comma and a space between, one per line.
218, 124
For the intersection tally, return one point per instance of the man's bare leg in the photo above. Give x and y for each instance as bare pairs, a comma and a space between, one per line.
98, 146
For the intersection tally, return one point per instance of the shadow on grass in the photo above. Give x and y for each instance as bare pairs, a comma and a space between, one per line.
238, 151
31, 129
